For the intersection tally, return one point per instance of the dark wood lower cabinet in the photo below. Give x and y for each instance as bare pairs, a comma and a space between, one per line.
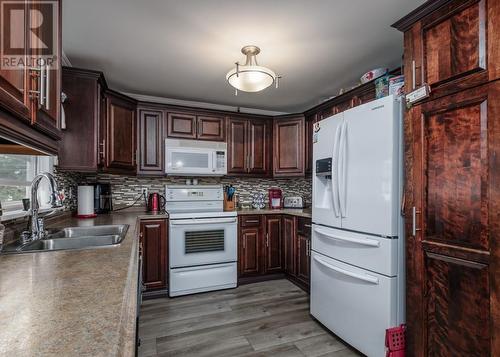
273, 246
249, 256
153, 236
260, 246
302, 254
289, 243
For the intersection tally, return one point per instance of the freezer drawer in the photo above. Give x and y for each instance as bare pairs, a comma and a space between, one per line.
197, 279
369, 252
354, 304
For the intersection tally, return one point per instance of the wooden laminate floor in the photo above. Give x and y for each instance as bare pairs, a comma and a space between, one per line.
263, 319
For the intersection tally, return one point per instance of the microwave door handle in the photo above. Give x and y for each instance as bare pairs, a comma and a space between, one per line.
214, 164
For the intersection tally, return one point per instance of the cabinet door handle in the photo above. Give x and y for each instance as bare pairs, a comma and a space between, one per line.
244, 243
47, 86
102, 152
414, 223
413, 74
267, 239
307, 225
41, 86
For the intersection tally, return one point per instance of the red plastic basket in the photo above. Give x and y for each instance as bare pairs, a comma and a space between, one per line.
395, 341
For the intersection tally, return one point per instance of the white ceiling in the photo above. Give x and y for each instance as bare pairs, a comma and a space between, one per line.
183, 49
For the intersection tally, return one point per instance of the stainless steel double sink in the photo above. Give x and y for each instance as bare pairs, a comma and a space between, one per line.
76, 238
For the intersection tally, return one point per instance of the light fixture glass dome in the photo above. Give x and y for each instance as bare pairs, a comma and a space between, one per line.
250, 77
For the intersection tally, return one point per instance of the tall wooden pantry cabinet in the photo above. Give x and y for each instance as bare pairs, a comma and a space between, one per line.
452, 187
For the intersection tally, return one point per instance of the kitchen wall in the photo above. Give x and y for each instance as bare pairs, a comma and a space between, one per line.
126, 189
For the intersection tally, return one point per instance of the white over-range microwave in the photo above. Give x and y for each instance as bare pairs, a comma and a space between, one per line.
194, 157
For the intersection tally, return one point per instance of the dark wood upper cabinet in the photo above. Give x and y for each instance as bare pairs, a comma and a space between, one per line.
30, 94
153, 236
15, 85
210, 128
273, 245
249, 146
259, 133
344, 105
150, 142
237, 146
453, 47
83, 89
181, 125
48, 113
195, 126
326, 112
120, 136
309, 131
288, 146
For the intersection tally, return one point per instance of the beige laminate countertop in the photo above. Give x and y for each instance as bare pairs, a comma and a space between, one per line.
299, 212
73, 302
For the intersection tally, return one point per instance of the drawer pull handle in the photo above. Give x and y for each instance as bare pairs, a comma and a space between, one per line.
307, 225
367, 278
367, 242
254, 221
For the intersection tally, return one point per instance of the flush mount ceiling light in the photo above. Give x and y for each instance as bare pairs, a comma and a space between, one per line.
251, 77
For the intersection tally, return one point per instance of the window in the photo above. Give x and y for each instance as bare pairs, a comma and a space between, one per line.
16, 174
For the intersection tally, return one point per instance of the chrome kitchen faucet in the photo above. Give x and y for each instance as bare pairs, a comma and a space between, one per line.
37, 224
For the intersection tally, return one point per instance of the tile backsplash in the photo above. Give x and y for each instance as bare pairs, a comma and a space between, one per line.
67, 183
126, 189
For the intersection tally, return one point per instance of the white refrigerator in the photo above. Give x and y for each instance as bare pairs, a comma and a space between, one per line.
357, 263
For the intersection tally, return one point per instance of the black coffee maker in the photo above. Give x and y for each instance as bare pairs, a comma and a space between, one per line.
103, 202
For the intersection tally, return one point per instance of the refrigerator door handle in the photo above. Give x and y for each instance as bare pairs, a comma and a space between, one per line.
367, 242
335, 169
367, 278
342, 173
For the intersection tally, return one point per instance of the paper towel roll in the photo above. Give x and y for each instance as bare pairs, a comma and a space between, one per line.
86, 202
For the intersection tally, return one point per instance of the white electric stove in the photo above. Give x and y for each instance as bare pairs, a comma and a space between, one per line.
203, 249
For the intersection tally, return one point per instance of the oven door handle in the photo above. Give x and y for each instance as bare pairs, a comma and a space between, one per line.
191, 221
